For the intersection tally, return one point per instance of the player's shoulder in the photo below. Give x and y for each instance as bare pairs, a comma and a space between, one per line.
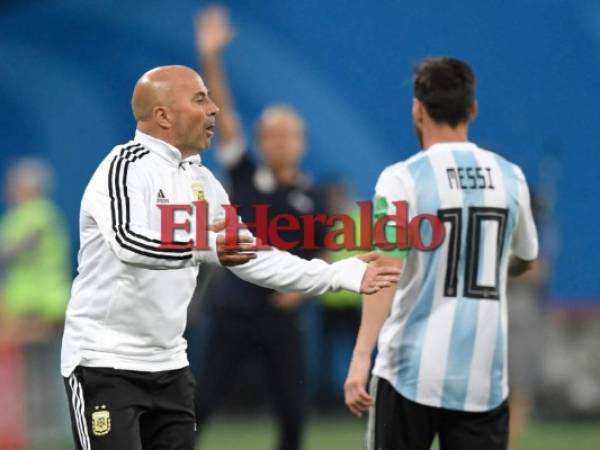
391, 174
402, 165
400, 169
392, 170
513, 167
396, 177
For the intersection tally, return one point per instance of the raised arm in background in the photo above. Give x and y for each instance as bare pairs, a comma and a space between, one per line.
213, 34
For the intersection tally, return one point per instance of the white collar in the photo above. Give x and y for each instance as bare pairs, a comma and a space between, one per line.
452, 146
164, 149
265, 181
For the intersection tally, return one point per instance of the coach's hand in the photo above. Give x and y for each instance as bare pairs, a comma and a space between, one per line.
240, 252
377, 276
356, 396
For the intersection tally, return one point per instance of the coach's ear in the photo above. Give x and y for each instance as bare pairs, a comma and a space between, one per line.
162, 116
474, 110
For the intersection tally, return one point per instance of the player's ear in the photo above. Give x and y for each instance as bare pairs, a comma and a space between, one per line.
162, 116
417, 111
474, 110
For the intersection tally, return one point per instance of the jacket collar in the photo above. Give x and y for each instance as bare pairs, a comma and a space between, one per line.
265, 181
164, 149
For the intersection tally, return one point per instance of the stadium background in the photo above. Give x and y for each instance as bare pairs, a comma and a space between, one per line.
67, 68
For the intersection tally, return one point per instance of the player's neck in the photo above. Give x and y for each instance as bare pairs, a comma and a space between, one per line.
444, 133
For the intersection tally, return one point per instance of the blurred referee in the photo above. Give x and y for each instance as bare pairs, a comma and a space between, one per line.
247, 321
123, 356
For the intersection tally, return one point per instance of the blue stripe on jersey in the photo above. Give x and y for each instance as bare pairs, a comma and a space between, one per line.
497, 372
413, 336
511, 190
464, 327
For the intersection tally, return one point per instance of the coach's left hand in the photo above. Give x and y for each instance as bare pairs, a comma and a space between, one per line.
234, 254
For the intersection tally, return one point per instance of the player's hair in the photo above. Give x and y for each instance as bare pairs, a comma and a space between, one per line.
446, 87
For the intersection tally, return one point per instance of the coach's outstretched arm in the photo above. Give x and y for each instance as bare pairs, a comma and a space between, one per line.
282, 271
375, 309
285, 272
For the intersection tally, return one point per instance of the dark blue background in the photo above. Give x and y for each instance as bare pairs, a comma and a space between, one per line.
67, 69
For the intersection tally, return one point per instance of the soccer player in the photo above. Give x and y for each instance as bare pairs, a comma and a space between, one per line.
123, 356
441, 362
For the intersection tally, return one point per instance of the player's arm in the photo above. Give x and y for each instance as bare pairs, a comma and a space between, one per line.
375, 310
213, 34
518, 266
525, 239
376, 307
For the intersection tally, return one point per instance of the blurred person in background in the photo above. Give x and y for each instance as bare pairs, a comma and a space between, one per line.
34, 262
249, 321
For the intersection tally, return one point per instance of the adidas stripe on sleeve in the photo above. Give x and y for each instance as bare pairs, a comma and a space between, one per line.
116, 201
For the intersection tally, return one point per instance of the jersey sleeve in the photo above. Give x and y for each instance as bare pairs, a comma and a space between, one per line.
116, 201
525, 238
282, 271
389, 190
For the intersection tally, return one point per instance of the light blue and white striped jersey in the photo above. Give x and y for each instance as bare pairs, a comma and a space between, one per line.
445, 341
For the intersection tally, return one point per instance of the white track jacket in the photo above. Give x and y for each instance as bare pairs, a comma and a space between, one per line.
129, 300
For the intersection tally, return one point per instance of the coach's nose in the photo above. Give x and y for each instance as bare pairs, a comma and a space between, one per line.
213, 109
